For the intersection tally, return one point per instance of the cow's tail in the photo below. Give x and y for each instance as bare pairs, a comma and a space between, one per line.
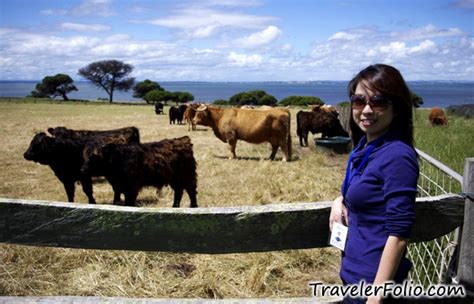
288, 137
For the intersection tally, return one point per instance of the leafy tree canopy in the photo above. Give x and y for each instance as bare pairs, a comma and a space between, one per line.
109, 75
143, 87
417, 100
301, 101
182, 97
221, 102
52, 86
155, 96
257, 98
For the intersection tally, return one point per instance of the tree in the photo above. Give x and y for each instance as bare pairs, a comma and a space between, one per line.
52, 86
155, 96
141, 88
109, 75
416, 100
257, 97
301, 101
221, 102
182, 97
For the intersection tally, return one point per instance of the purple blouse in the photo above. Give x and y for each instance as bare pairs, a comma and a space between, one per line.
381, 202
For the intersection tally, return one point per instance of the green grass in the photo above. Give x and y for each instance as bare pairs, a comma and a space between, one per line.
450, 144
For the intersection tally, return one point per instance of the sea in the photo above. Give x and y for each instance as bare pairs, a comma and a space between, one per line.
434, 93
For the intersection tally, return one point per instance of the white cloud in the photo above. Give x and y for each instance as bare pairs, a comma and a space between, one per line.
51, 12
243, 60
85, 27
344, 36
257, 39
231, 3
204, 22
424, 47
427, 32
101, 8
394, 49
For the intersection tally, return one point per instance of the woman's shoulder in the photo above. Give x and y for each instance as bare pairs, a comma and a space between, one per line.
395, 149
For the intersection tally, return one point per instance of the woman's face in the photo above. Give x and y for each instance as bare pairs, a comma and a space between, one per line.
372, 123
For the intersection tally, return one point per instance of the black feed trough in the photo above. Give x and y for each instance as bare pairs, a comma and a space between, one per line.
338, 144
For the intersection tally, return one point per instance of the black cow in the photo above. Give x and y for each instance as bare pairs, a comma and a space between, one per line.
173, 115
129, 168
64, 157
63, 153
159, 108
318, 121
129, 135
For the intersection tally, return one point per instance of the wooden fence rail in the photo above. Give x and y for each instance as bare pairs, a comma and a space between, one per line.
199, 230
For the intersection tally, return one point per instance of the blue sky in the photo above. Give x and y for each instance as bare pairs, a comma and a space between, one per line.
231, 40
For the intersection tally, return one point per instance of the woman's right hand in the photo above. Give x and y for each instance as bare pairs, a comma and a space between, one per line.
338, 213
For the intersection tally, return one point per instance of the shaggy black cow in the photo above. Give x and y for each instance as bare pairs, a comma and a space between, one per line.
128, 135
64, 157
129, 168
63, 153
318, 121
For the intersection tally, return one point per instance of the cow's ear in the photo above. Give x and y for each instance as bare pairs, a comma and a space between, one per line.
50, 131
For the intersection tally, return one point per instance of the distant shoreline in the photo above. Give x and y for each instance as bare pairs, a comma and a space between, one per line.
434, 93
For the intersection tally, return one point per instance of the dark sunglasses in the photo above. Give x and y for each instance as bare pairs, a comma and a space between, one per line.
377, 102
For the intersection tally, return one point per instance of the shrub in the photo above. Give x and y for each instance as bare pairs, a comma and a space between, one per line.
465, 110
256, 98
301, 101
221, 102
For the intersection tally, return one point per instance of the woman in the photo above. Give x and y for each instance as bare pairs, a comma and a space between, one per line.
380, 186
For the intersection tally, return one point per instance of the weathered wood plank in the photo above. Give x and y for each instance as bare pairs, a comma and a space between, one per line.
466, 256
198, 230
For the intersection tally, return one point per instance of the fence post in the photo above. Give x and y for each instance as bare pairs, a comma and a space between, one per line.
466, 257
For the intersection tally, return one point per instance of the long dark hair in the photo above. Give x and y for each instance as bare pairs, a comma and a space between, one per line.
386, 80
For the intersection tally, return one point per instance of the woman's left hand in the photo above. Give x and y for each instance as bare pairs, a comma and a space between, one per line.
374, 300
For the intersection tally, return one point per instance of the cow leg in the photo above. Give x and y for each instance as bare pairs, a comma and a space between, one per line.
305, 138
192, 196
232, 146
274, 151
284, 148
178, 194
70, 189
87, 188
116, 196
130, 198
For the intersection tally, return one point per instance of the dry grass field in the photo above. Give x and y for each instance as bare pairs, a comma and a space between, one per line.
312, 176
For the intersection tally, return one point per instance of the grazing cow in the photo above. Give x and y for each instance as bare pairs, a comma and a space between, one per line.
63, 153
318, 121
437, 117
159, 108
189, 115
129, 168
129, 135
253, 126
